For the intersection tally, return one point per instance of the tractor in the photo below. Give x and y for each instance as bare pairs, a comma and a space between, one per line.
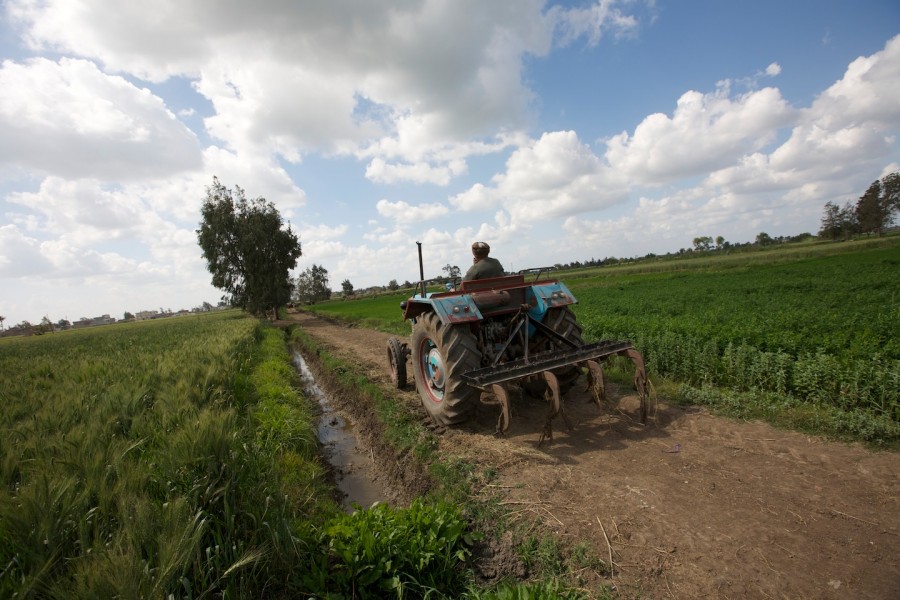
470, 342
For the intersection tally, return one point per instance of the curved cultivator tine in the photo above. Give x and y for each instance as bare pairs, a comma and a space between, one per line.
595, 383
502, 399
641, 383
553, 396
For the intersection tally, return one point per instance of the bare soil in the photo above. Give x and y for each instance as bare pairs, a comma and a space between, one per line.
689, 506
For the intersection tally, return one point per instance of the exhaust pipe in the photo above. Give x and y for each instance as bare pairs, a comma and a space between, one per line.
421, 269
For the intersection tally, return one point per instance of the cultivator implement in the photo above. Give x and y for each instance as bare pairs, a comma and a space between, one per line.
540, 368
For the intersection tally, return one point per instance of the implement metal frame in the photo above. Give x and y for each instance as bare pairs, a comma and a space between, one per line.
493, 378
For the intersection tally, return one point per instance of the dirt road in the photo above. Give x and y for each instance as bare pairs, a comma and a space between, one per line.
691, 505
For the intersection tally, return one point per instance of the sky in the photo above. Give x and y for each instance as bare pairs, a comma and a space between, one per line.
554, 131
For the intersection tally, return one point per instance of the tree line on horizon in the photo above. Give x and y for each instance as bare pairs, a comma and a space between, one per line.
250, 254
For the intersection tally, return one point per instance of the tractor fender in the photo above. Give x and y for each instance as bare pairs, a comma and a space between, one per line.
450, 309
544, 296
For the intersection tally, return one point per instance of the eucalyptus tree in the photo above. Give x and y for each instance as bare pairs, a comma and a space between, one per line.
876, 208
247, 249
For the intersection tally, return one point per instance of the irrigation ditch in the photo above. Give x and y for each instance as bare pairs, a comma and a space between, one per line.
371, 461
351, 461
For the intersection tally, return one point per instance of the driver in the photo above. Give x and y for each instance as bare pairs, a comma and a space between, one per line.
484, 266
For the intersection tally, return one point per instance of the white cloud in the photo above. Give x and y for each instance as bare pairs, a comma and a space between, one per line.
20, 255
663, 225
594, 21
706, 132
82, 210
321, 233
402, 212
290, 79
552, 176
845, 134
867, 92
849, 130
381, 172
258, 175
477, 197
69, 119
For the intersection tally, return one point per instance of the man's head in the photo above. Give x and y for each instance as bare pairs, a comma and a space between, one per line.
480, 250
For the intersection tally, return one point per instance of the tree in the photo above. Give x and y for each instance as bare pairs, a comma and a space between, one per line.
875, 209
451, 270
703, 243
393, 285
890, 188
763, 239
347, 287
2, 318
45, 326
247, 251
838, 222
312, 285
128, 316
720, 242
870, 212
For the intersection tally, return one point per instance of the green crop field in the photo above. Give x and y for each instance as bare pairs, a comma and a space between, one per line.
177, 459
126, 463
813, 326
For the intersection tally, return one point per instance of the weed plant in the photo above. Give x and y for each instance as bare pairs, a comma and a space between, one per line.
387, 552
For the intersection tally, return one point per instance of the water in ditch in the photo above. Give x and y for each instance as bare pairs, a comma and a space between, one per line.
354, 467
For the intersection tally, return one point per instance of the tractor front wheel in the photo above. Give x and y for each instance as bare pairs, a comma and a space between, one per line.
397, 352
440, 355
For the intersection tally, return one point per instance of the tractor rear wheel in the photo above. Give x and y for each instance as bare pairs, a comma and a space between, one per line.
562, 320
440, 355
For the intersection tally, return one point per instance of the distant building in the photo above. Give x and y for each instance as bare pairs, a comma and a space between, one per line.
93, 321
